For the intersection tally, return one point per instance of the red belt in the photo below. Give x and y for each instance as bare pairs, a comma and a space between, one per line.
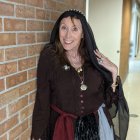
64, 129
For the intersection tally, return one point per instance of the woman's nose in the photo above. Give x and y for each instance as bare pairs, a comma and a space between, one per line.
68, 33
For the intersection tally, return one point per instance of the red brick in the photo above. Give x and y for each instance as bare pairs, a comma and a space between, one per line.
14, 25
36, 3
30, 121
18, 130
32, 73
26, 38
49, 4
8, 124
60, 6
18, 1
8, 68
27, 63
32, 85
26, 112
17, 138
54, 15
2, 85
0, 24
43, 37
33, 25
25, 12
26, 134
42, 14
6, 9
9, 96
37, 59
1, 55
18, 105
26, 88
48, 26
4, 137
35, 49
78, 4
7, 39
32, 97
16, 79
2, 114
2, 70
23, 64
75, 4
14, 53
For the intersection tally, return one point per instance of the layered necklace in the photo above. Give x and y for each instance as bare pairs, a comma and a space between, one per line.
76, 62
80, 72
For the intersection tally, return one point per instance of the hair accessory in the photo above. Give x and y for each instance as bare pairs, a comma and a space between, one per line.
74, 10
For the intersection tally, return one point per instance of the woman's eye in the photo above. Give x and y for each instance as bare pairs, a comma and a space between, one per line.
75, 29
63, 28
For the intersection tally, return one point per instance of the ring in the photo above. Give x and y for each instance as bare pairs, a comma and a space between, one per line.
100, 60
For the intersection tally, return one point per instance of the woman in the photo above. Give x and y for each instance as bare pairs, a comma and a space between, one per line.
76, 85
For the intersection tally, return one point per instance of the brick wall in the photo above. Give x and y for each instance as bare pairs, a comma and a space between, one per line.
25, 27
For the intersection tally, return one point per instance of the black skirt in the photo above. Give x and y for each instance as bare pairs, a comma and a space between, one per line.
86, 128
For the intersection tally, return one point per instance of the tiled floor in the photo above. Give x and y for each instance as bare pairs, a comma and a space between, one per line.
132, 93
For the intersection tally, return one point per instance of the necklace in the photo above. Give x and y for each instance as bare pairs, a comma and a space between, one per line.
76, 62
80, 72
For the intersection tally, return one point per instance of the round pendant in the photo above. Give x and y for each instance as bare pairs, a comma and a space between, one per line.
83, 87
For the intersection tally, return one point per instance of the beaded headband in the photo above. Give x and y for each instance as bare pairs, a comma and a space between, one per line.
74, 10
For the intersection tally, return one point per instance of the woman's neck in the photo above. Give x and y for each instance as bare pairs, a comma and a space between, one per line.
72, 54
74, 59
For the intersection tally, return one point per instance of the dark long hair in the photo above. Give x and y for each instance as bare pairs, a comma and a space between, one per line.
88, 44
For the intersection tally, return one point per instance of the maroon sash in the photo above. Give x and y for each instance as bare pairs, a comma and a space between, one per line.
64, 129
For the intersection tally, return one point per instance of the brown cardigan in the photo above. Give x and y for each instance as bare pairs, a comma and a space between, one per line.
61, 87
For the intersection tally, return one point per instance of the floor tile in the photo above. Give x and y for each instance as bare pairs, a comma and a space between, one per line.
132, 93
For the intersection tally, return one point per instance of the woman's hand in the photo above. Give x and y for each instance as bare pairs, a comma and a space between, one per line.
106, 63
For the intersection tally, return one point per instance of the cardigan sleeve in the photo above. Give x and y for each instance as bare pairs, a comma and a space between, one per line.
119, 111
41, 110
112, 97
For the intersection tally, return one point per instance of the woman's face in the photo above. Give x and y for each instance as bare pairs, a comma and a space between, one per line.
70, 33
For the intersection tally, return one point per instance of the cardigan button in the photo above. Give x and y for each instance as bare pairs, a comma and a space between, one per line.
82, 107
82, 101
82, 111
81, 96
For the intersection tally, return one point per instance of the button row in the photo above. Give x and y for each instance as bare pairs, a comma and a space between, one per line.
82, 102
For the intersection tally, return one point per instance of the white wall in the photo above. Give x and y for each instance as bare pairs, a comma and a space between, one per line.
134, 30
105, 18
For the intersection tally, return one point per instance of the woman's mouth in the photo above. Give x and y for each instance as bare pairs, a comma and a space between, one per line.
68, 41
